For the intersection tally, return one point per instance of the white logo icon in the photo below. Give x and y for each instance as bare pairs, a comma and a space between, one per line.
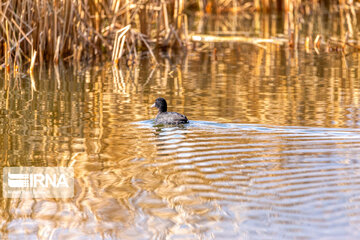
18, 180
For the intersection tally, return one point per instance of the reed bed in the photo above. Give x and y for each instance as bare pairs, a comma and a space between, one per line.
86, 29
33, 32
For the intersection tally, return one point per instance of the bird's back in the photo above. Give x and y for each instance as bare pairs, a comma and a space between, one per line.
171, 118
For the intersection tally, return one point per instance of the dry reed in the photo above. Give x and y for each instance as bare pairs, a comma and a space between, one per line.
86, 30
75, 30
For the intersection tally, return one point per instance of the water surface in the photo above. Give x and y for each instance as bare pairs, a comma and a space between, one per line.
271, 151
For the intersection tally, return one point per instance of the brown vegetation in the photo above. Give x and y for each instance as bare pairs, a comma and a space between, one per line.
73, 30
82, 30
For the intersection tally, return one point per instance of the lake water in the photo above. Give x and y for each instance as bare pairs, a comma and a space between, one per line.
272, 150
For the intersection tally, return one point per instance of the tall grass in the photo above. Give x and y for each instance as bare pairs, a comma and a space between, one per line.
85, 29
38, 31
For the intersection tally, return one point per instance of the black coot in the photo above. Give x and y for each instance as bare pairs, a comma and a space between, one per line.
164, 117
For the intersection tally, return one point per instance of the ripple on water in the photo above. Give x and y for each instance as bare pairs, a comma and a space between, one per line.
273, 182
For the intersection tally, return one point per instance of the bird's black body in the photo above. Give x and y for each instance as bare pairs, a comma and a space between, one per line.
165, 117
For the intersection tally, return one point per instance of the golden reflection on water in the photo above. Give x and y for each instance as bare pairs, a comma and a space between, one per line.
272, 140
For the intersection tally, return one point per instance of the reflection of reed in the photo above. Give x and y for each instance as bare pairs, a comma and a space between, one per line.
119, 83
301, 23
35, 118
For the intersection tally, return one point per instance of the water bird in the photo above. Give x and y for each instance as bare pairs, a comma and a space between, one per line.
165, 117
